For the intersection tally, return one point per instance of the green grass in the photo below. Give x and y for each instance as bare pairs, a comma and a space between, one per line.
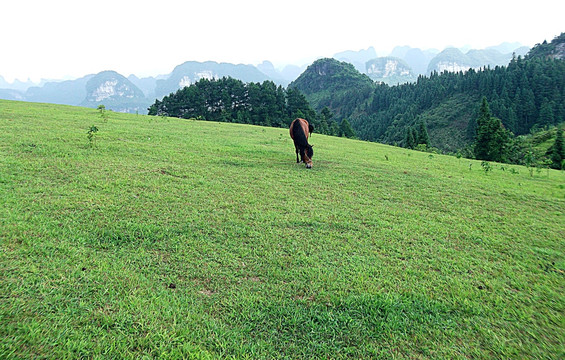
175, 238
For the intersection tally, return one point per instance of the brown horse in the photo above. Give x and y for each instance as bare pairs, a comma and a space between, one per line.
299, 132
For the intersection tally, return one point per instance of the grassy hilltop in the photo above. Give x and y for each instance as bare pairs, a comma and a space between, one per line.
177, 238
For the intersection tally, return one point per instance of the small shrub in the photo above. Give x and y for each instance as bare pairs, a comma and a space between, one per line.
421, 147
103, 113
530, 161
91, 135
486, 166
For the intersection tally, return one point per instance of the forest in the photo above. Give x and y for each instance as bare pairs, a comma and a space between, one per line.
525, 95
231, 100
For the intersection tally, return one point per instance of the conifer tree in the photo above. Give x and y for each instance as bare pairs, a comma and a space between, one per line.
423, 137
491, 138
546, 114
333, 128
326, 113
409, 139
483, 137
414, 136
346, 130
558, 152
325, 119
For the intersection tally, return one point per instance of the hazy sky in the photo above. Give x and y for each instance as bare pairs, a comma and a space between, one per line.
59, 38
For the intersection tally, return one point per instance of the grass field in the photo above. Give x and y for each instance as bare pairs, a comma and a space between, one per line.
170, 238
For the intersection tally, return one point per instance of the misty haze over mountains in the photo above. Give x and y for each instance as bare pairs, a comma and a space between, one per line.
133, 94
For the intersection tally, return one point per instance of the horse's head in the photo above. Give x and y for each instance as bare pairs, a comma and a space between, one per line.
308, 153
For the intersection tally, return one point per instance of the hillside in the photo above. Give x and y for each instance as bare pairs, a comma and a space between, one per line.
518, 93
553, 50
176, 238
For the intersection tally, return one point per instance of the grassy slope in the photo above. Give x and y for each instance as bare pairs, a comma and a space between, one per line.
184, 238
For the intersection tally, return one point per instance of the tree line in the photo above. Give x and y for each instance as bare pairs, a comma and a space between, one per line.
231, 100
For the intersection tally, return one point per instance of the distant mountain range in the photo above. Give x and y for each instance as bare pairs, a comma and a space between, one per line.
405, 64
133, 94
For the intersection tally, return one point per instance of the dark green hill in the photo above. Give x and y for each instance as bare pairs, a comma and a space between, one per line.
335, 84
330, 75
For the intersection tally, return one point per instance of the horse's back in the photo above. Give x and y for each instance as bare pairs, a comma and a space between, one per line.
300, 124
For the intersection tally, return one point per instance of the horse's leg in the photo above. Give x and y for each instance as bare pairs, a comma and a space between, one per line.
297, 160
